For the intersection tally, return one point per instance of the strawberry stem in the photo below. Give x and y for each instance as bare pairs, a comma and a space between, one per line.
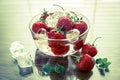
45, 12
95, 40
74, 56
73, 13
60, 29
77, 57
75, 17
81, 18
59, 6
41, 20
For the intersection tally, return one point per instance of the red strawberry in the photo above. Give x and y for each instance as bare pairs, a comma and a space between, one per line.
37, 26
86, 63
61, 50
89, 49
53, 34
65, 23
81, 26
44, 15
78, 44
49, 29
58, 47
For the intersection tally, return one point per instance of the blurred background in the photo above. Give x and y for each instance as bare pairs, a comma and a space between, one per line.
104, 17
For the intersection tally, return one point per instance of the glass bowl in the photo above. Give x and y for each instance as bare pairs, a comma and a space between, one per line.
59, 47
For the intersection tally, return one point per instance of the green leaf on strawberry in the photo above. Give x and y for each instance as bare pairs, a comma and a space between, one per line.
59, 29
75, 18
78, 59
44, 15
42, 20
45, 12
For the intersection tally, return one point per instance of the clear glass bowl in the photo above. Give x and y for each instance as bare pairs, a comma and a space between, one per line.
62, 47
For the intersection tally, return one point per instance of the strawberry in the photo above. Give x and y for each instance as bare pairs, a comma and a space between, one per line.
90, 48
49, 29
78, 44
65, 23
86, 63
53, 34
37, 26
58, 47
81, 26
61, 50
44, 16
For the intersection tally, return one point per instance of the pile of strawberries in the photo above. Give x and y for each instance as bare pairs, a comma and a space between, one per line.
60, 47
63, 26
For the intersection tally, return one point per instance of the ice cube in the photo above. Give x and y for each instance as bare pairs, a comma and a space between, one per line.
25, 71
42, 34
51, 20
22, 57
73, 35
16, 48
24, 61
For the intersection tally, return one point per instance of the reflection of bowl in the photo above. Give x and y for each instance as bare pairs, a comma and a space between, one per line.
42, 59
66, 46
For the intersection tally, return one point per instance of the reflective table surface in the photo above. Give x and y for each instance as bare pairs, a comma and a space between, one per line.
14, 27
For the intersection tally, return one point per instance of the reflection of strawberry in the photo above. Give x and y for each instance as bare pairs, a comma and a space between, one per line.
86, 63
81, 26
78, 44
65, 23
58, 47
37, 26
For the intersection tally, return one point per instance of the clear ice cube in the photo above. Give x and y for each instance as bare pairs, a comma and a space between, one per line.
22, 57
73, 35
16, 48
24, 61
52, 20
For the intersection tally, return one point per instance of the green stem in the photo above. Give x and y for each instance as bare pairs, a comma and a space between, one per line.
81, 18
45, 12
95, 40
59, 6
77, 57
73, 13
76, 18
